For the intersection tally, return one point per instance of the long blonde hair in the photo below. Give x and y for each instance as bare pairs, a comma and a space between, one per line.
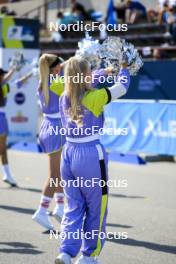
76, 66
45, 61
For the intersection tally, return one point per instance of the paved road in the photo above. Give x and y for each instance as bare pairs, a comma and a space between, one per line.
146, 210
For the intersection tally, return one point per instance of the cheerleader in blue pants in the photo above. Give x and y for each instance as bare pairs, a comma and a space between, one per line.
83, 159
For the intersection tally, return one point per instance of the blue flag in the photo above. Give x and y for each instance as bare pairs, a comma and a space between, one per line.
111, 15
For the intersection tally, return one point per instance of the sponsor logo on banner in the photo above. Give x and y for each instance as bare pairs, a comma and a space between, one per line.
157, 130
151, 127
113, 123
20, 98
147, 84
19, 118
22, 33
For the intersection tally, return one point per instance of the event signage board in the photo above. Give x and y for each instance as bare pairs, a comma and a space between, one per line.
20, 36
150, 127
155, 80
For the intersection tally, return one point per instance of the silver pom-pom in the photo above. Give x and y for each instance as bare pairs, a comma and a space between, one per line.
109, 52
115, 52
89, 50
17, 61
132, 58
111, 48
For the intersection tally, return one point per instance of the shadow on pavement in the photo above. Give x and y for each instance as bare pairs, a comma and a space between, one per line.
18, 209
19, 248
22, 189
126, 196
30, 189
120, 226
144, 244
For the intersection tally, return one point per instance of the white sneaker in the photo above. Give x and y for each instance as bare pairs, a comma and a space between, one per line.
42, 218
58, 213
10, 180
63, 258
88, 260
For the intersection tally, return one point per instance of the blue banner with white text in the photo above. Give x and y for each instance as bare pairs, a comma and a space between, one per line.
150, 127
155, 80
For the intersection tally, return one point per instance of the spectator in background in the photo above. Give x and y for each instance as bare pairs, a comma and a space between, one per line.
170, 3
152, 15
171, 21
163, 2
63, 19
163, 13
79, 11
121, 9
135, 11
158, 54
4, 11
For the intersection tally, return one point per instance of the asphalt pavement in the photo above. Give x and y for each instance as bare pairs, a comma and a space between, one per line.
142, 207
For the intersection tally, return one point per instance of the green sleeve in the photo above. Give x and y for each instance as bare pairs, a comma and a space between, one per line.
57, 87
5, 89
95, 100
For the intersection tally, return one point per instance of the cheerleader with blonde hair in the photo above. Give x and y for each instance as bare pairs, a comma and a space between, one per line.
84, 159
50, 142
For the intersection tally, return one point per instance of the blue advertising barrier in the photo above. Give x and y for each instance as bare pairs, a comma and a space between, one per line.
145, 127
154, 81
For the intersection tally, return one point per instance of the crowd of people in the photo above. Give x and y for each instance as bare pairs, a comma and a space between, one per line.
126, 11
131, 12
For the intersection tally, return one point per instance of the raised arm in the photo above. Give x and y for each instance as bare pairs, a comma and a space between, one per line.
8, 75
120, 88
23, 79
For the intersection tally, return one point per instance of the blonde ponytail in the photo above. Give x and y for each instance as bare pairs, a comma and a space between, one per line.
75, 91
45, 62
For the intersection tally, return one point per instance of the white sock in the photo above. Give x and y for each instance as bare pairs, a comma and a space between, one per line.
59, 199
6, 172
44, 203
